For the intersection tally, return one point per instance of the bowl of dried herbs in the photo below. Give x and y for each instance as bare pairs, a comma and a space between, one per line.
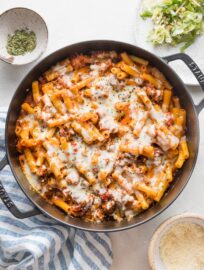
23, 36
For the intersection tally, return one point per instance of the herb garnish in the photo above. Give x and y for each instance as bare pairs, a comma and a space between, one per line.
21, 42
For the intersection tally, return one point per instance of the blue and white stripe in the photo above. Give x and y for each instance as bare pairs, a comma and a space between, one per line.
40, 242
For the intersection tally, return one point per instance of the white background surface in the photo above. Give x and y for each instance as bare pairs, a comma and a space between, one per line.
71, 21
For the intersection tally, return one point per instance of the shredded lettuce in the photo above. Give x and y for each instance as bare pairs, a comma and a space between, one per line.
146, 14
176, 22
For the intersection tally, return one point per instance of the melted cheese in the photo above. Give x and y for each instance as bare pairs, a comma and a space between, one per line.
32, 178
158, 116
79, 193
107, 159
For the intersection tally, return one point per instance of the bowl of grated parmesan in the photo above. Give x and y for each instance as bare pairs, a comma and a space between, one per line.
178, 244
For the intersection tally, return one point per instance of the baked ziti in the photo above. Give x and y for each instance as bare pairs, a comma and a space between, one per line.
101, 135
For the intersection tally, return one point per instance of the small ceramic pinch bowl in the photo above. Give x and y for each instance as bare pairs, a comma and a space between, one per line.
17, 19
155, 261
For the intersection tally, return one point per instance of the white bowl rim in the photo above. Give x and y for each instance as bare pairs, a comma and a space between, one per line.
46, 41
161, 228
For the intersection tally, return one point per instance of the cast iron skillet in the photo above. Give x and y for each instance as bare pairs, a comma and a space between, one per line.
181, 178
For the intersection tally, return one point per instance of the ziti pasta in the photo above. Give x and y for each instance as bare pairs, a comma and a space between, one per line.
102, 134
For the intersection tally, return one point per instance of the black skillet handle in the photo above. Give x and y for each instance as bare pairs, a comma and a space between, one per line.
195, 70
9, 203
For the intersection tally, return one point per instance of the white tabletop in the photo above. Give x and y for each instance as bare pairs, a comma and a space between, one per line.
71, 21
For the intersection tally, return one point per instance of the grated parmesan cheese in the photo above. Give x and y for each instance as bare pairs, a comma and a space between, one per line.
182, 247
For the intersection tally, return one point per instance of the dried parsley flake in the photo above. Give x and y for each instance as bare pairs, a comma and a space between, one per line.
21, 42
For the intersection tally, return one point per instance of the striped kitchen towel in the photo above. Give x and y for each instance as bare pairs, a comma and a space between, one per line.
40, 242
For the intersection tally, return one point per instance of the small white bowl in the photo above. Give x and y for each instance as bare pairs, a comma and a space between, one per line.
155, 261
17, 19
